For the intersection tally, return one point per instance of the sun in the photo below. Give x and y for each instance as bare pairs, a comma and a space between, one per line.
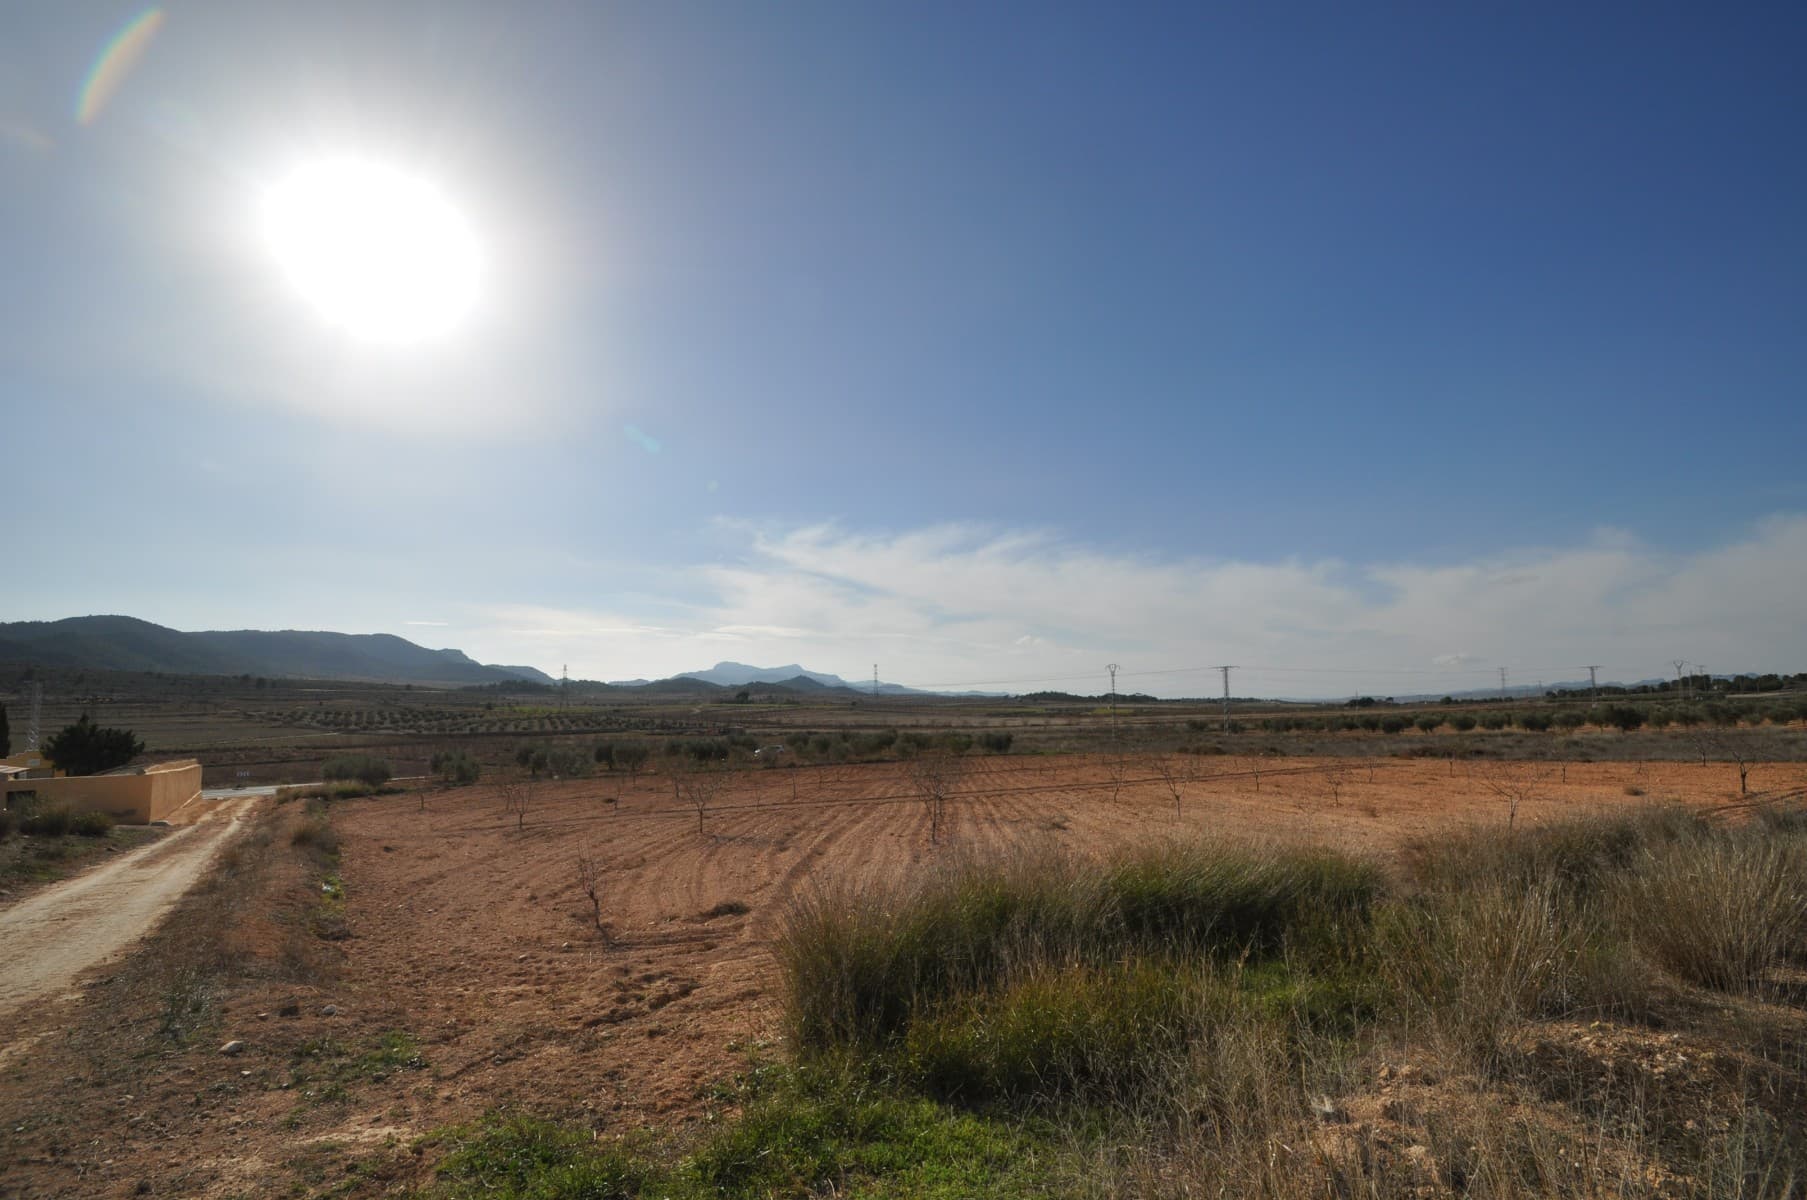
377, 252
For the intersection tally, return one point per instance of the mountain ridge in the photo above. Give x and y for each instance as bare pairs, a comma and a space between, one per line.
122, 643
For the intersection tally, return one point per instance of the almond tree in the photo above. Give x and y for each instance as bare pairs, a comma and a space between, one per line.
1515, 783
698, 787
516, 794
934, 776
591, 877
1175, 774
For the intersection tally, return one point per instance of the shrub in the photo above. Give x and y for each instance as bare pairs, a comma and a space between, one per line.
456, 767
1721, 912
1535, 721
1471, 963
364, 768
54, 822
858, 963
1462, 722
315, 833
91, 824
1494, 720
1624, 717
996, 743
1389, 723
1428, 722
1097, 1033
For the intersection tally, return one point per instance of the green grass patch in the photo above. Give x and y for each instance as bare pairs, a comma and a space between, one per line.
791, 1133
324, 1069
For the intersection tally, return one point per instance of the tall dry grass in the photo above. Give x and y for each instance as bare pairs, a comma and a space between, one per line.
1202, 1005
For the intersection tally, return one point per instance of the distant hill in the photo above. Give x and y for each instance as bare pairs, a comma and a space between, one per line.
530, 673
733, 674
113, 643
791, 676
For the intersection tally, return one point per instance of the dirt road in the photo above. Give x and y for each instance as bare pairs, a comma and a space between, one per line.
49, 939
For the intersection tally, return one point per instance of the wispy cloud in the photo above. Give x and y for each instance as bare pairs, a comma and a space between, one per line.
958, 604
23, 135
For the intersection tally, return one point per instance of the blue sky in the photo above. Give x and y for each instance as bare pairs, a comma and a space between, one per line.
1375, 347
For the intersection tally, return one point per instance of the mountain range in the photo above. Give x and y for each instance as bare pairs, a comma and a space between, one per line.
117, 643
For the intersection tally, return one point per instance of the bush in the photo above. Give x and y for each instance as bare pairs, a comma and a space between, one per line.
1721, 912
1100, 1034
1471, 963
996, 743
91, 824
1390, 724
1462, 722
53, 822
859, 964
1624, 717
1428, 722
1494, 720
1535, 722
373, 772
456, 767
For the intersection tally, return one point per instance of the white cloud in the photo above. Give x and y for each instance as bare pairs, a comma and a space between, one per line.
958, 604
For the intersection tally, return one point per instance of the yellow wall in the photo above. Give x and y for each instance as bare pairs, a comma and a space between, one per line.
138, 799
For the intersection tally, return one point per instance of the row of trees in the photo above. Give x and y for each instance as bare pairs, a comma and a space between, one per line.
1623, 716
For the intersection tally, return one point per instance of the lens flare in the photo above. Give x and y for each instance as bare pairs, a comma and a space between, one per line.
115, 62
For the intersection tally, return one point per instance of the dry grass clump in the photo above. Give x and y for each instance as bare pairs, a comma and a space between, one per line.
1721, 912
1194, 1017
860, 963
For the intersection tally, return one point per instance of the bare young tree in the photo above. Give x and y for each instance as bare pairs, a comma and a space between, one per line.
591, 874
698, 788
1335, 777
933, 777
1118, 770
1515, 783
517, 796
1728, 746
1175, 773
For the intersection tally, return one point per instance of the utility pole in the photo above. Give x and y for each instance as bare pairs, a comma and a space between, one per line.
1226, 695
1113, 668
37, 713
875, 681
1593, 683
1681, 683
564, 686
1502, 683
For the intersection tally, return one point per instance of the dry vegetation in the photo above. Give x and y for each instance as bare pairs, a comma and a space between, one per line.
1186, 967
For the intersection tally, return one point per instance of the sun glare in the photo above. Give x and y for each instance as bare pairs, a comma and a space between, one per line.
377, 252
